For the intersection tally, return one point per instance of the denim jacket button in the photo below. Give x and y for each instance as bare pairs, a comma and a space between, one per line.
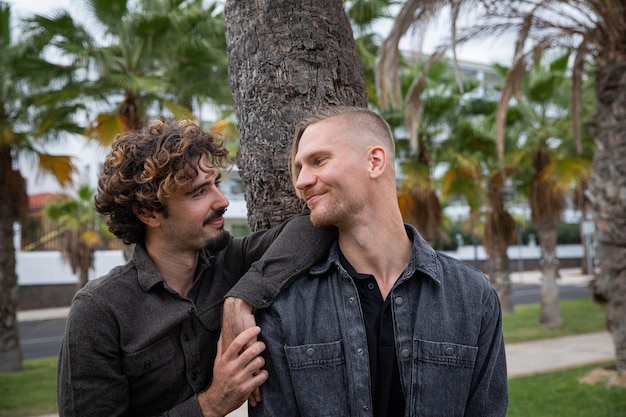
449, 351
351, 299
405, 353
310, 352
399, 301
360, 351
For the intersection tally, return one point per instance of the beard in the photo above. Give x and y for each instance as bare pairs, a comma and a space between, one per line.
218, 242
339, 212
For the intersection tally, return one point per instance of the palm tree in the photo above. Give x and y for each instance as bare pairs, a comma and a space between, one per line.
594, 30
547, 165
284, 62
81, 230
35, 109
152, 59
455, 132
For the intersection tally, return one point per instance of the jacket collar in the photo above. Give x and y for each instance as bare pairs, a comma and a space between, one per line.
423, 258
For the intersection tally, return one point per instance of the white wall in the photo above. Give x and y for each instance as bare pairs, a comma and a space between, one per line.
47, 267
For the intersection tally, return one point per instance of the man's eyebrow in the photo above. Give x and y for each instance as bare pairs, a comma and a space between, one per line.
218, 177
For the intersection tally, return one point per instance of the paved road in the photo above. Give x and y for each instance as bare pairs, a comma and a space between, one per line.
42, 338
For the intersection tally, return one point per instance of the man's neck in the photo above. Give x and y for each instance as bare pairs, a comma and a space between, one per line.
380, 249
177, 268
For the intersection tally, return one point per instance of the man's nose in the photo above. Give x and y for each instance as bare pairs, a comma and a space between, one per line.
305, 179
222, 200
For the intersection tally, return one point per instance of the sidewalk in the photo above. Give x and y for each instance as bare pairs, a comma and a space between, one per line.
525, 358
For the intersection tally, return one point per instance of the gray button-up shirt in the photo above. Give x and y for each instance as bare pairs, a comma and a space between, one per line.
448, 342
134, 347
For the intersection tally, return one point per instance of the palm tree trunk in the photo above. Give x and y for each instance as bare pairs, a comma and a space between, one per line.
608, 201
285, 59
10, 352
500, 276
550, 313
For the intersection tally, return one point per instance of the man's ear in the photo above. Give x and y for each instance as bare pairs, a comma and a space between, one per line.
377, 160
149, 217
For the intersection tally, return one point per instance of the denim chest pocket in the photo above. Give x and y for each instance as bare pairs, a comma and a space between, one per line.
149, 359
319, 380
442, 376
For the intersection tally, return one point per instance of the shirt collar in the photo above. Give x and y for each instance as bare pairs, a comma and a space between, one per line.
149, 276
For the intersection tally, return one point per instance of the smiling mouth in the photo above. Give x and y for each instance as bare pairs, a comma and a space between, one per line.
215, 217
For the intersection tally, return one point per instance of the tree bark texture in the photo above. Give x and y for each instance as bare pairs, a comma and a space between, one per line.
607, 193
500, 277
550, 311
286, 59
10, 352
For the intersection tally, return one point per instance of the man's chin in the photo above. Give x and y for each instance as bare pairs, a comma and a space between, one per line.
218, 242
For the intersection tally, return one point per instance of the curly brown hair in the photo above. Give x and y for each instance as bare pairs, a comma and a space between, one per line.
144, 167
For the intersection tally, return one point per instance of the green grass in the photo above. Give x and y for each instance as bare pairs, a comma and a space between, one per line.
579, 316
32, 391
560, 394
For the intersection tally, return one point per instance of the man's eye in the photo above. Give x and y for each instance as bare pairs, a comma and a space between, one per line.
319, 161
218, 183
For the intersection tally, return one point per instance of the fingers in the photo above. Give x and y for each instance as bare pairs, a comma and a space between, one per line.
255, 398
245, 343
237, 372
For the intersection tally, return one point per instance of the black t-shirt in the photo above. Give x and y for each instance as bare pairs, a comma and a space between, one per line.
387, 394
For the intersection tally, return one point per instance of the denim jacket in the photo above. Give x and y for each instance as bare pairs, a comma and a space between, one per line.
448, 342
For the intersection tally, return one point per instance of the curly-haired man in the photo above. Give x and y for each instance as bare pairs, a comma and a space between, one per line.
143, 339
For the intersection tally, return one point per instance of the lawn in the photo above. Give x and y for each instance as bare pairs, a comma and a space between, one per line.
560, 394
32, 391
579, 316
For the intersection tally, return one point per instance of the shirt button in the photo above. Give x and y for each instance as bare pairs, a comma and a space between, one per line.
191, 310
310, 352
266, 298
186, 337
359, 351
405, 353
449, 351
399, 301
147, 365
371, 286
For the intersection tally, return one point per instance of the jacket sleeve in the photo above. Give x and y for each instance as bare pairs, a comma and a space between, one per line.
489, 392
295, 247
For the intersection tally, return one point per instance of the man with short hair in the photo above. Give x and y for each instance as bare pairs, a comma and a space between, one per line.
385, 326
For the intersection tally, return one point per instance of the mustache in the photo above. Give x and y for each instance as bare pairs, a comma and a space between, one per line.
214, 216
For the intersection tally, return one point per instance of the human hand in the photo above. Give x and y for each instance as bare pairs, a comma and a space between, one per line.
237, 316
236, 374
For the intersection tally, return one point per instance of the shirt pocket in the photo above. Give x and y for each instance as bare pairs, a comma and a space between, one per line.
150, 359
319, 381
442, 375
